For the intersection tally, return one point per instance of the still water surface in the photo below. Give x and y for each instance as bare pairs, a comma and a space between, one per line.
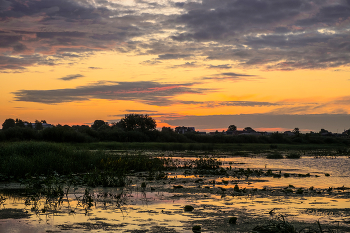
156, 210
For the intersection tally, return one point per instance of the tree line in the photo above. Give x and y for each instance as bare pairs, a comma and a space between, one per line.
139, 128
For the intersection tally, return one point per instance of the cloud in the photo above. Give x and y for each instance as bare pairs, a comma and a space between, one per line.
215, 104
225, 66
151, 93
140, 111
71, 77
338, 105
232, 77
269, 34
315, 122
21, 62
151, 62
187, 65
172, 56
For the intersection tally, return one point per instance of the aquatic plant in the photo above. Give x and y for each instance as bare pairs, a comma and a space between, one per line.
275, 155
207, 163
299, 191
293, 156
188, 208
196, 228
277, 225
232, 220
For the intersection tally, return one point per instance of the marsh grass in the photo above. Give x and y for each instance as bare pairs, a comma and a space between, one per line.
275, 155
281, 225
230, 147
21, 160
293, 156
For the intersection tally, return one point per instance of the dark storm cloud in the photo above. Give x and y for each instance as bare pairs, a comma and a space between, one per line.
71, 77
151, 93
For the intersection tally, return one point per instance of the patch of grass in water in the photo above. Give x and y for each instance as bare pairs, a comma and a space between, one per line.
275, 155
23, 160
293, 156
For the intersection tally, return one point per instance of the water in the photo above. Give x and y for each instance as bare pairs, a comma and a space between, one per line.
337, 168
161, 210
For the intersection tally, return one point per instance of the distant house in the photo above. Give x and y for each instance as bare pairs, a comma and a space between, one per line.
45, 125
183, 130
202, 133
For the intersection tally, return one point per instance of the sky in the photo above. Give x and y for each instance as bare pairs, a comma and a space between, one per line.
272, 65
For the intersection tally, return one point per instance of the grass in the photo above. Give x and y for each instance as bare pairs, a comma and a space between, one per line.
293, 156
275, 155
280, 225
33, 159
236, 148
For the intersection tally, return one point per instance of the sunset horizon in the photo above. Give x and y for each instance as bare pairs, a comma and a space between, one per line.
270, 65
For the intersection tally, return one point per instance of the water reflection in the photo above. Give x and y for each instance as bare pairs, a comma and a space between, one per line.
159, 206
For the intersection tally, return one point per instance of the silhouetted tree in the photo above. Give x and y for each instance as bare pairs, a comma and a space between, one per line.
167, 129
38, 125
29, 124
296, 131
8, 123
324, 132
232, 128
19, 123
249, 130
98, 123
137, 122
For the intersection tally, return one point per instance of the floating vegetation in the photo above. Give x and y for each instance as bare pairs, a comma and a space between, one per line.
196, 228
293, 156
278, 225
232, 220
275, 155
188, 208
